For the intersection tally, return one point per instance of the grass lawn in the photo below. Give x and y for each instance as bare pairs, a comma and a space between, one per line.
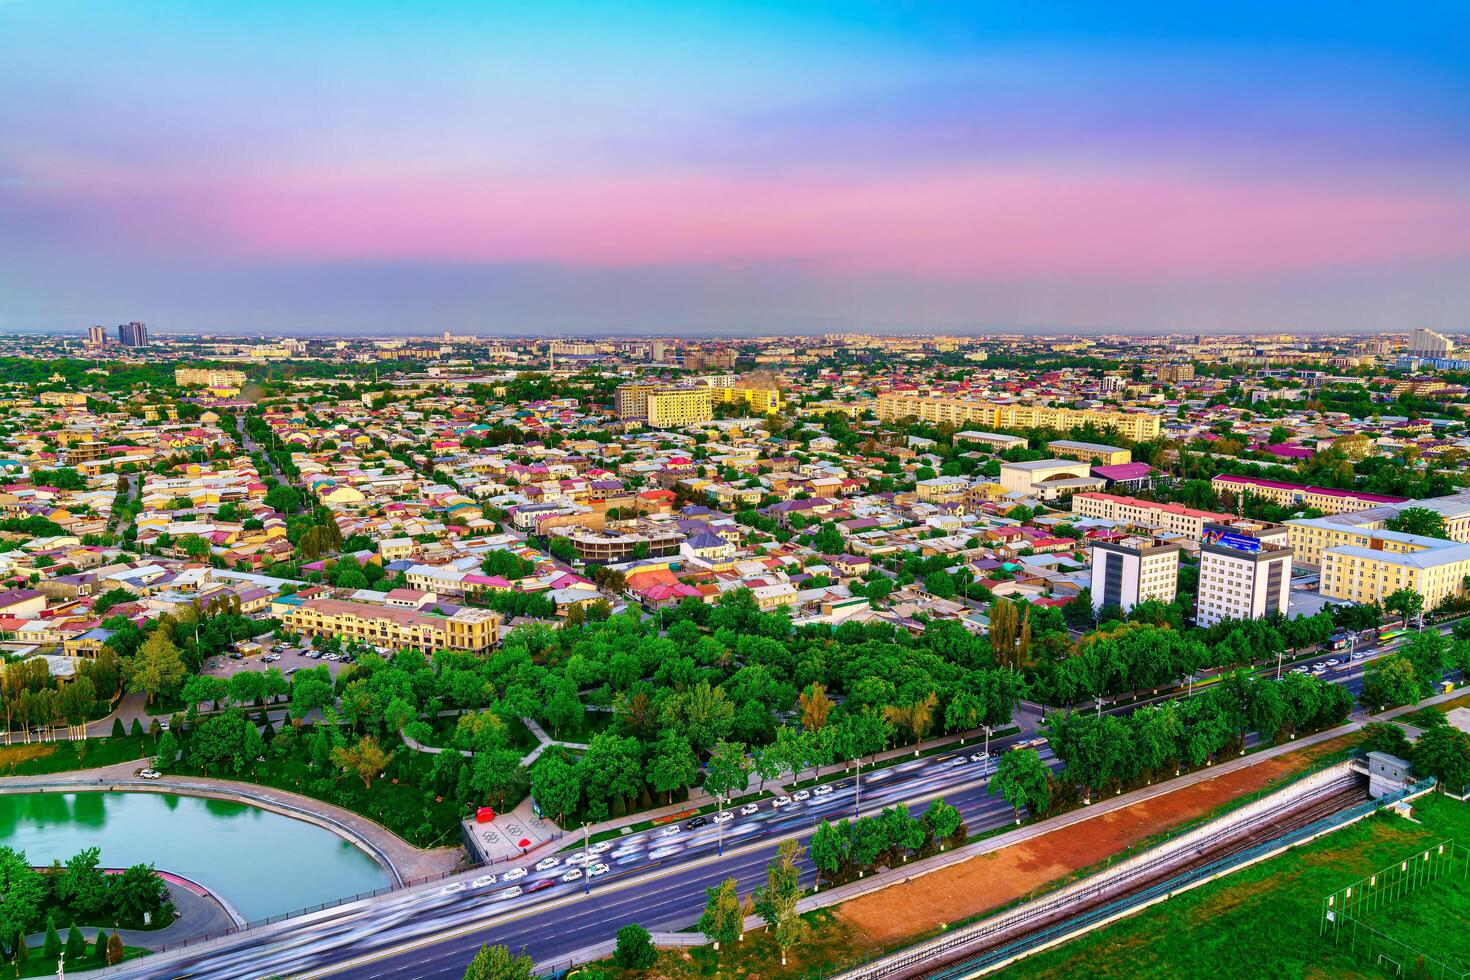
37, 965
1430, 919
42, 758
1263, 921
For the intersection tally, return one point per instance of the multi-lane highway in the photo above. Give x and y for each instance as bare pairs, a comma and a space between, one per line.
654, 877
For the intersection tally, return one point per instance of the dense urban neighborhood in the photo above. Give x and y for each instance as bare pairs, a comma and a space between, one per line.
795, 625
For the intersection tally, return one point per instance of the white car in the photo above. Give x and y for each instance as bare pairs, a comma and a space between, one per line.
781, 801
572, 875
664, 852
150, 774
801, 795
597, 869
601, 847
452, 887
1334, 662
514, 874
546, 864
959, 760
724, 816
163, 726
484, 881
511, 892
979, 756
578, 859
671, 830
822, 790
748, 809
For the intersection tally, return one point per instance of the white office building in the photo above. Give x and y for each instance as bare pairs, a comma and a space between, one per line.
1133, 570
1244, 572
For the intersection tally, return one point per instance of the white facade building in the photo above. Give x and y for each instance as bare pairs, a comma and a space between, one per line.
1244, 572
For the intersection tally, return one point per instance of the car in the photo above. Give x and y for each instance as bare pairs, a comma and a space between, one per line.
150, 774
315, 655
514, 874
670, 830
749, 808
724, 816
694, 823
980, 757
664, 852
781, 801
601, 847
572, 875
237, 655
537, 886
959, 760
301, 652
547, 863
822, 790
484, 881
578, 859
801, 795
163, 726
1334, 662
452, 887
597, 870
511, 892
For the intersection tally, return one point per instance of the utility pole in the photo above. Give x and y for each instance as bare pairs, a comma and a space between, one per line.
586, 868
988, 730
1098, 699
720, 825
1280, 654
857, 788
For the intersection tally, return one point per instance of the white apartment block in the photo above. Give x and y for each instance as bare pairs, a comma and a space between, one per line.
1133, 570
1244, 572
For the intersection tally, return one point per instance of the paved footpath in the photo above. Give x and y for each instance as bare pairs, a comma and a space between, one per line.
198, 916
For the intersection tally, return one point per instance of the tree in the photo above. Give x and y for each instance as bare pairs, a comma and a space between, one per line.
21, 952
82, 885
1022, 779
23, 890
673, 765
1417, 520
497, 963
99, 950
1385, 736
157, 667
168, 752
366, 758
776, 900
941, 821
555, 786
138, 891
1405, 602
52, 948
110, 598
728, 769
1390, 681
917, 716
1429, 653
635, 948
115, 949
1444, 753
815, 706
723, 917
76, 944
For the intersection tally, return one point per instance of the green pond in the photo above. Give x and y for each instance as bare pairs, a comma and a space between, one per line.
260, 862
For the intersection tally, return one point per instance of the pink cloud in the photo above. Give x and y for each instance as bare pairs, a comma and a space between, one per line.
959, 224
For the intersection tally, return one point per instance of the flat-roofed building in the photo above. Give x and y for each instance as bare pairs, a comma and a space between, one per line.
1048, 478
1369, 575
1133, 570
1244, 572
1329, 500
670, 408
941, 409
1094, 451
476, 630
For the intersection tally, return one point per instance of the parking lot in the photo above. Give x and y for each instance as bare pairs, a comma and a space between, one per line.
291, 659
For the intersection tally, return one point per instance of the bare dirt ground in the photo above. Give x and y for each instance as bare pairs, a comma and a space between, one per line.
1002, 876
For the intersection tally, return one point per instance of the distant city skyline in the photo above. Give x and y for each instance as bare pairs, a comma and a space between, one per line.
727, 169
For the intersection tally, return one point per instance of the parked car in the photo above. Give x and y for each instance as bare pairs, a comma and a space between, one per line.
724, 816
670, 830
979, 756
572, 875
597, 870
601, 847
150, 774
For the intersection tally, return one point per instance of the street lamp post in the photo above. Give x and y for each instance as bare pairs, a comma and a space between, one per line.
1098, 699
1280, 654
586, 867
857, 787
987, 730
720, 825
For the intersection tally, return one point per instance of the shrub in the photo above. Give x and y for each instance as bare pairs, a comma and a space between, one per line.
635, 948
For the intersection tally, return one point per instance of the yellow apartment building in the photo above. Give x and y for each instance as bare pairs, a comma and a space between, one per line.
940, 409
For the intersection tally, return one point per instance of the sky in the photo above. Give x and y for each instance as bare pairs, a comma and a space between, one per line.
743, 168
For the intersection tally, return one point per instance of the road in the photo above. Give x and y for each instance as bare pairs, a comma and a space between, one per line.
655, 879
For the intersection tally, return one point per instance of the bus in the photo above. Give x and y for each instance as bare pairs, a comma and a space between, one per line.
1391, 635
